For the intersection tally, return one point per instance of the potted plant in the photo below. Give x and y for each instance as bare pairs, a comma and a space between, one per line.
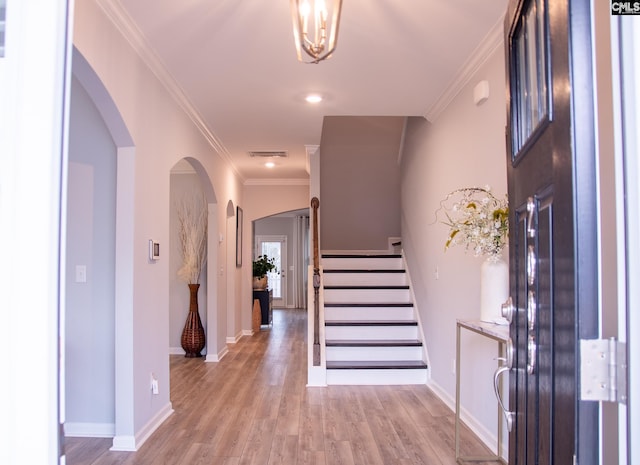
261, 266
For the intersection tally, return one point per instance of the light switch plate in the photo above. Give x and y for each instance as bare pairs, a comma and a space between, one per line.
81, 273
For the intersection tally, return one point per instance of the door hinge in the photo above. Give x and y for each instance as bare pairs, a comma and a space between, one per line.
603, 370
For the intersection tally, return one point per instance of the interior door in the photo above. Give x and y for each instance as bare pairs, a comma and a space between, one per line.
552, 197
275, 247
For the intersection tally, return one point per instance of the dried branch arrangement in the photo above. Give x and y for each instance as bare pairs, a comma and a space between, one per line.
192, 234
477, 220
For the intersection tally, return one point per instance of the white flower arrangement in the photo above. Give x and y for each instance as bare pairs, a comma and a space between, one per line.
477, 220
192, 235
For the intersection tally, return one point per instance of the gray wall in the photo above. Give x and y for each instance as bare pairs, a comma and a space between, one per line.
359, 182
464, 147
89, 306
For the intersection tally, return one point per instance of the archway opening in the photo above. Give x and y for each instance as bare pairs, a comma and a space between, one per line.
189, 180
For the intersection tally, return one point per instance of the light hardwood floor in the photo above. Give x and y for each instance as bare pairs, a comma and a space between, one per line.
253, 408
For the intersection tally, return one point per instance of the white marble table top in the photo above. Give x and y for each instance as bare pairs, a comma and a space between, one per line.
495, 331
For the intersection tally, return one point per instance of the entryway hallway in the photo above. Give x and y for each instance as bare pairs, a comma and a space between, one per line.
253, 408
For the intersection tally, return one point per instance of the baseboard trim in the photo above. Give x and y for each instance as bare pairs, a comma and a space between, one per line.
487, 437
235, 339
124, 444
180, 351
442, 394
317, 376
133, 443
89, 430
217, 357
247, 332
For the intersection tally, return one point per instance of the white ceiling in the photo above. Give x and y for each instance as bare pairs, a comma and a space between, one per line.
235, 61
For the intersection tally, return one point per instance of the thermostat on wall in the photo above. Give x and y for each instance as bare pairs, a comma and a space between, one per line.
154, 250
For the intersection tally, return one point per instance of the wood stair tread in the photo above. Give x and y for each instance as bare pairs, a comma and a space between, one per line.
371, 323
376, 365
373, 343
360, 286
376, 305
355, 270
332, 255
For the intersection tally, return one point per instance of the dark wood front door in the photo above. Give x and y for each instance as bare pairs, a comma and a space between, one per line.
552, 197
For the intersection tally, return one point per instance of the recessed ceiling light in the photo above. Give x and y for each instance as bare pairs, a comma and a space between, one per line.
269, 164
313, 98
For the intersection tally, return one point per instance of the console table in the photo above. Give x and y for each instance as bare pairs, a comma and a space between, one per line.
501, 335
265, 297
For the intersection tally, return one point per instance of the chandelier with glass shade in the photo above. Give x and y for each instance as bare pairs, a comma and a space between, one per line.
315, 28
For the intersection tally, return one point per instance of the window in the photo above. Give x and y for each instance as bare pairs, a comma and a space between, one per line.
529, 80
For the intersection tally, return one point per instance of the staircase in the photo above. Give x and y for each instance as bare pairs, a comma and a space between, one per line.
371, 332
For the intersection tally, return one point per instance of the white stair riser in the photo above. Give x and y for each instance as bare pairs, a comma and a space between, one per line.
373, 353
364, 279
366, 296
364, 263
355, 312
370, 332
377, 377
368, 313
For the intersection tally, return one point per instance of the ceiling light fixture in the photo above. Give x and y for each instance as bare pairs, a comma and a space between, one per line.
269, 164
323, 20
313, 98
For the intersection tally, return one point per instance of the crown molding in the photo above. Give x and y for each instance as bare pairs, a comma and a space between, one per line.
310, 150
116, 13
478, 57
276, 182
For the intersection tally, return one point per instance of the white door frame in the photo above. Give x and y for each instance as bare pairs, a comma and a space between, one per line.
627, 119
284, 275
34, 102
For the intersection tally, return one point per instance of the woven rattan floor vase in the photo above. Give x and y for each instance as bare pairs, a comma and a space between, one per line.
193, 333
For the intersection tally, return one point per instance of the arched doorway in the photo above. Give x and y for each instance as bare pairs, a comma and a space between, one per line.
189, 179
104, 411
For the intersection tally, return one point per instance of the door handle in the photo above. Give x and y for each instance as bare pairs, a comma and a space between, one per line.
508, 415
532, 310
531, 265
531, 210
532, 351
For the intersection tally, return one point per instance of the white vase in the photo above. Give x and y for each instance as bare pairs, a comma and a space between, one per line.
494, 288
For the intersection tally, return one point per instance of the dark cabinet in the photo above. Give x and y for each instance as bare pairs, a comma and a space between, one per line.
265, 298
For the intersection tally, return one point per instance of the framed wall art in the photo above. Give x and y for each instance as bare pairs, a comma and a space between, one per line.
239, 221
